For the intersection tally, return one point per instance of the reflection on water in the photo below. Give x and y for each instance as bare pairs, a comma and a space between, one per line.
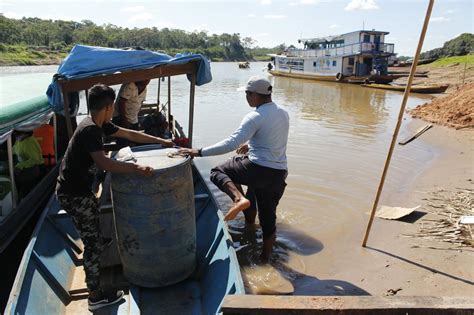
339, 137
343, 107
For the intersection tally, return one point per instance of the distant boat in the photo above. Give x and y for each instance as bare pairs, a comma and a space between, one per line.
244, 65
357, 56
425, 89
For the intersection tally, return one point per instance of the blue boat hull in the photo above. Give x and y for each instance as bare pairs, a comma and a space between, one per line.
50, 277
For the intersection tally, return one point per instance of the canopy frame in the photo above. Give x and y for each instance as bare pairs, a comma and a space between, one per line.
160, 71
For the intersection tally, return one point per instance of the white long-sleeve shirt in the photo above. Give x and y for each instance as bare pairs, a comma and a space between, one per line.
266, 130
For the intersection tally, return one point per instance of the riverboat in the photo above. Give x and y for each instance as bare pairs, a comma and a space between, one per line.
50, 279
359, 56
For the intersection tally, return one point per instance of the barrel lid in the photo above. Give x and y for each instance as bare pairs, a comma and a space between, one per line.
155, 156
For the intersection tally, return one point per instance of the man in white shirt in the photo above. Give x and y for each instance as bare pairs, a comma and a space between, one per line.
261, 164
128, 104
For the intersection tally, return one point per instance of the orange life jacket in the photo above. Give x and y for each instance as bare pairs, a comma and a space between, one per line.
45, 137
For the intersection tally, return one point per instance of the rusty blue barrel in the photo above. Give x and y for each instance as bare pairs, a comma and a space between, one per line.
155, 218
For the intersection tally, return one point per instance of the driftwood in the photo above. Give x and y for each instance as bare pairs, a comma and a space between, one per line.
448, 208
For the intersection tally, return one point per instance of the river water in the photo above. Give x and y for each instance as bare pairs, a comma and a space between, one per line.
338, 142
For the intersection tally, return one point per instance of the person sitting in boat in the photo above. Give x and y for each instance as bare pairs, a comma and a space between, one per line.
74, 184
128, 104
261, 164
269, 66
28, 169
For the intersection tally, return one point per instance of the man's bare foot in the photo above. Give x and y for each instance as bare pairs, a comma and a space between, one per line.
238, 206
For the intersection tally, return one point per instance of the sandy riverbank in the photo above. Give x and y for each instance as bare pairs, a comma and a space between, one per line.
425, 266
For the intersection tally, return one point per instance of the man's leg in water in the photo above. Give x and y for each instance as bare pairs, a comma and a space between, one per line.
267, 201
251, 212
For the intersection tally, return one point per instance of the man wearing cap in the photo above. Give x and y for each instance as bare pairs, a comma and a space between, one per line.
261, 164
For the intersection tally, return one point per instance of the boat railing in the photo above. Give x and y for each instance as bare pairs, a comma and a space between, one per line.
365, 47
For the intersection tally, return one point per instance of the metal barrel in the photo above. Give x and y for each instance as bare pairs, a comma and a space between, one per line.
155, 219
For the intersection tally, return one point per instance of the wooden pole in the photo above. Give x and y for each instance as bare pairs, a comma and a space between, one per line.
11, 167
159, 92
86, 91
169, 100
66, 114
55, 125
399, 121
191, 109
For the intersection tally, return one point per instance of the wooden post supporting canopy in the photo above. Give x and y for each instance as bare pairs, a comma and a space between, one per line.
66, 114
11, 167
191, 109
399, 121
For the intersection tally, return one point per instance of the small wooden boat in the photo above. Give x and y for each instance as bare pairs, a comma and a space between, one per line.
50, 279
425, 89
244, 65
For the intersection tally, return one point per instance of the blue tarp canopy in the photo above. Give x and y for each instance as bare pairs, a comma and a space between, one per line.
88, 61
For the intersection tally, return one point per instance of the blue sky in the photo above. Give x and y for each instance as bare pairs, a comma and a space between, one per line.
270, 22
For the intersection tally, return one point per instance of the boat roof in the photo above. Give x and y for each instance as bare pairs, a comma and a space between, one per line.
24, 116
89, 65
338, 37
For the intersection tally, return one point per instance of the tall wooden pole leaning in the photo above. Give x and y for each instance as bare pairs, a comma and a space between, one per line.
399, 122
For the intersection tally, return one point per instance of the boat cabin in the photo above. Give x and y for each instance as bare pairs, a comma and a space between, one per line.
359, 53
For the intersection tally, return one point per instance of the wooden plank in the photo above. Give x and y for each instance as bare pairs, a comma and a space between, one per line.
127, 77
418, 133
354, 305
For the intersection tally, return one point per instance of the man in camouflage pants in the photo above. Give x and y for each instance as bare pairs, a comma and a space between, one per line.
74, 187
84, 212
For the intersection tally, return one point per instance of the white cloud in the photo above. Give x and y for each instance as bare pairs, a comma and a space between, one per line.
334, 26
304, 2
12, 15
200, 27
133, 9
361, 5
274, 16
140, 17
251, 15
265, 2
440, 19
261, 35
450, 11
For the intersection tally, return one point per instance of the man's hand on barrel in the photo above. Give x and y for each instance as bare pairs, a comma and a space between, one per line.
143, 170
190, 152
167, 143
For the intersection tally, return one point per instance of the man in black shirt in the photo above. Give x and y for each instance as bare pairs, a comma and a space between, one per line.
74, 187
